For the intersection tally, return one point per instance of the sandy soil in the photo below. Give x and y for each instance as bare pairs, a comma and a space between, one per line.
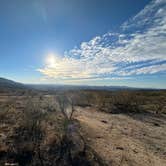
134, 140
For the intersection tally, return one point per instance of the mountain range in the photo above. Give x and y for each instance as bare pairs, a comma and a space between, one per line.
12, 85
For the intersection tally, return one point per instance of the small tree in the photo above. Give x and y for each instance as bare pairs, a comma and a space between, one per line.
66, 105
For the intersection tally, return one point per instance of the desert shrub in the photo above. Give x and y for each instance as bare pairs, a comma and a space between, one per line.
82, 98
126, 102
65, 105
3, 115
119, 102
27, 135
8, 112
48, 103
32, 118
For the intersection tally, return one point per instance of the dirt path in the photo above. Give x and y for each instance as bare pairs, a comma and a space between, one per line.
124, 140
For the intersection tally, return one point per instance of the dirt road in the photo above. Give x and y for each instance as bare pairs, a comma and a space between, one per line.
134, 140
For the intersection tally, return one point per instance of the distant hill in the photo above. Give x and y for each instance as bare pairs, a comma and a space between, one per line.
47, 87
56, 87
6, 84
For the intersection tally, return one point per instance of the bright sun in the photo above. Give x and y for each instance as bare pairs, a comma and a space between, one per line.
51, 60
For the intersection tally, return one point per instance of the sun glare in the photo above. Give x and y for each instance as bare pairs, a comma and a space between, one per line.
50, 60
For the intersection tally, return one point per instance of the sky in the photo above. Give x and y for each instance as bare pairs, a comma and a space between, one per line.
84, 42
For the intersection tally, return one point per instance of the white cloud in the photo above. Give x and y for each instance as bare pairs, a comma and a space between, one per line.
144, 70
139, 48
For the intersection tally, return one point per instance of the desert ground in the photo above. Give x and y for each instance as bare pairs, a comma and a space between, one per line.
96, 128
124, 139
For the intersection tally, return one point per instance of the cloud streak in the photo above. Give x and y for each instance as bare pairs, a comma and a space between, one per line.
139, 48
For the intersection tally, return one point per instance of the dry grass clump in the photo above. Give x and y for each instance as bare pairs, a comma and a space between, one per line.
129, 101
29, 132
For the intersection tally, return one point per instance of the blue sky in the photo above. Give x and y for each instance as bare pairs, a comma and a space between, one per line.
92, 42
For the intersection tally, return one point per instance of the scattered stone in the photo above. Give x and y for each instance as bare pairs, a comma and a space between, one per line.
164, 153
98, 137
104, 121
156, 124
88, 139
135, 151
2, 136
119, 148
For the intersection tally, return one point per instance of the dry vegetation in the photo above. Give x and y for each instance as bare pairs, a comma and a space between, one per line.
39, 130
47, 129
